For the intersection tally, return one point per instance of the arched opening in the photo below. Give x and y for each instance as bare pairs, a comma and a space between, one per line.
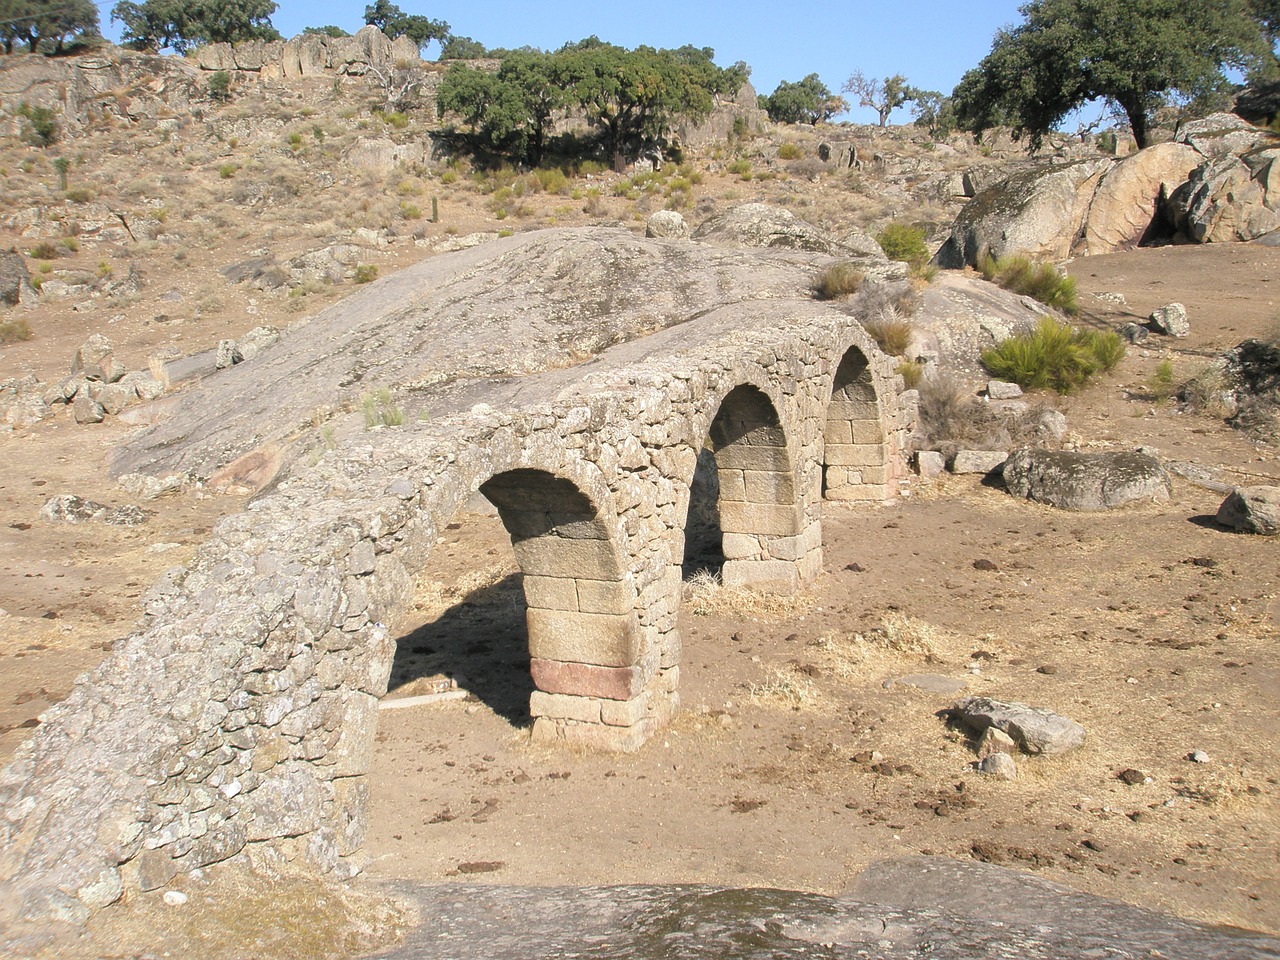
561, 610
764, 541
703, 539
855, 455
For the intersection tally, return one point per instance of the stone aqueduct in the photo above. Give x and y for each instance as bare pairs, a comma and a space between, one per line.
242, 713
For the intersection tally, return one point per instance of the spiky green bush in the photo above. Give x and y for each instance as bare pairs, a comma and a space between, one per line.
1036, 279
1054, 355
901, 241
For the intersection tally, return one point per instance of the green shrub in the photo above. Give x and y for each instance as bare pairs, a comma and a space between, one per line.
228, 170
838, 281
410, 211
14, 331
790, 151
79, 195
552, 180
63, 166
1161, 382
220, 86
44, 250
366, 272
740, 168
1037, 279
901, 241
449, 176
912, 373
70, 243
380, 409
295, 141
1054, 355
42, 124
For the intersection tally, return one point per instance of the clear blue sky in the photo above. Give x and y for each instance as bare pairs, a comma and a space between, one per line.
931, 42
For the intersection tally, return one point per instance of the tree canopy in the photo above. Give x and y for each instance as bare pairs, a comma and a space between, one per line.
33, 22
1135, 54
182, 24
394, 22
631, 97
883, 96
806, 101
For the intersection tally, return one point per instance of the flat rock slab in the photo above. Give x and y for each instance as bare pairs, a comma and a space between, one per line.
933, 683
1034, 729
923, 906
1086, 481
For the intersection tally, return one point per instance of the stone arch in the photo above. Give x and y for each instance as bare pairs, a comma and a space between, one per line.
765, 542
855, 449
587, 657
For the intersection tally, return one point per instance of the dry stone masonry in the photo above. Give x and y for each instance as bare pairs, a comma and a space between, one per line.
239, 719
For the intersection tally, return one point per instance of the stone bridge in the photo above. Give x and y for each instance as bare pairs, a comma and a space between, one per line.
243, 711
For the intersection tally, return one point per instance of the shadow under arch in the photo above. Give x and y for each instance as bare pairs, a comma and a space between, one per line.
765, 542
855, 452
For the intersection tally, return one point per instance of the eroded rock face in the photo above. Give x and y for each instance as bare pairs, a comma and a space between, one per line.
1085, 481
764, 225
1222, 202
1038, 212
15, 280
1128, 198
444, 326
1252, 510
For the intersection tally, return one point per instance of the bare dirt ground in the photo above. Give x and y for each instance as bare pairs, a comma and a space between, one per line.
800, 755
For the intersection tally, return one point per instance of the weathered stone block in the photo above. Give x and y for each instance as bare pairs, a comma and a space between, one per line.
624, 713
605, 596
741, 546
561, 557
555, 706
855, 455
600, 639
551, 593
587, 680
769, 486
768, 519
767, 576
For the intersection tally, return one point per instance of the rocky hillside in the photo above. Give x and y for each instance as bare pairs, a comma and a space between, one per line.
146, 209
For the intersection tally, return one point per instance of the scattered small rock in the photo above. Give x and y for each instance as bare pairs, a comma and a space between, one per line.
1131, 776
667, 225
1252, 510
930, 464
999, 765
855, 567
1003, 390
1199, 756
1135, 332
978, 461
1171, 320
985, 564
1034, 729
934, 683
1048, 669
995, 741
175, 898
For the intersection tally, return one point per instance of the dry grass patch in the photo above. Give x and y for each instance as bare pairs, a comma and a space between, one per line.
707, 596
